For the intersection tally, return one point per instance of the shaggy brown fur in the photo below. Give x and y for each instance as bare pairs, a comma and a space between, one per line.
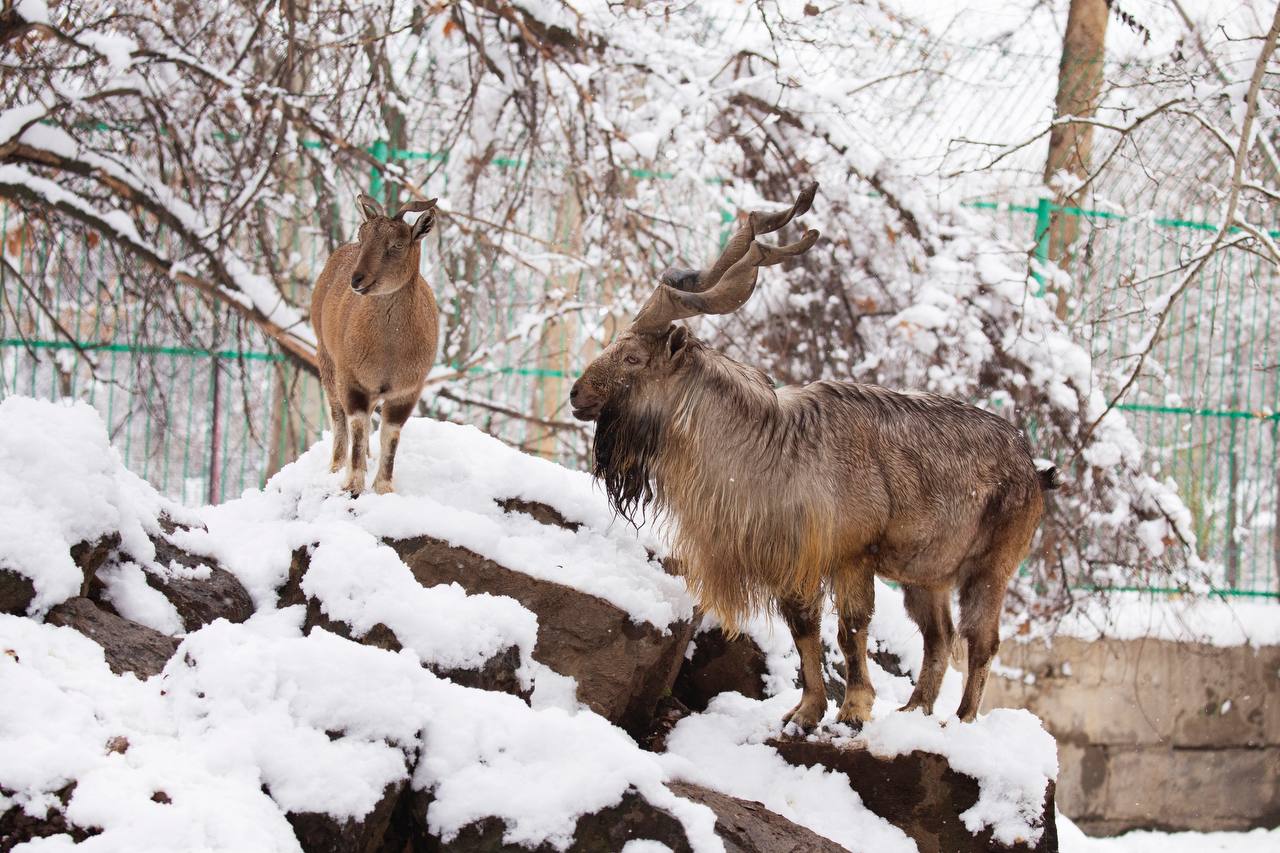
376, 323
780, 494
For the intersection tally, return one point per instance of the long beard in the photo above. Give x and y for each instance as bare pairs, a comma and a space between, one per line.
625, 447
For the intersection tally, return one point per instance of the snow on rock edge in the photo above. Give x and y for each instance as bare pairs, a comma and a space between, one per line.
61, 483
449, 481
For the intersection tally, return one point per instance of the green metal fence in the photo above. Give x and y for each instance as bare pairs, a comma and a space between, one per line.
1207, 402
204, 424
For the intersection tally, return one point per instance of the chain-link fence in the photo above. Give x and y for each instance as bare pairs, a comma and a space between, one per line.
204, 424
205, 421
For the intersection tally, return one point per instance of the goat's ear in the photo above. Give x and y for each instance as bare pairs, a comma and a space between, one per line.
677, 339
369, 206
425, 223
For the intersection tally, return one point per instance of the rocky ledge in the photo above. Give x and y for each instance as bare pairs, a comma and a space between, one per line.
479, 706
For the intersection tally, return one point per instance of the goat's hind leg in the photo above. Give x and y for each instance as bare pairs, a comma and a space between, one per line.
981, 598
931, 610
855, 602
804, 618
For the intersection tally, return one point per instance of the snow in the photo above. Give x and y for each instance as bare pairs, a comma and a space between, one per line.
117, 49
1213, 620
731, 734
724, 749
1007, 751
253, 720
538, 770
63, 705
448, 481
129, 594
61, 484
1072, 840
35, 11
14, 119
360, 581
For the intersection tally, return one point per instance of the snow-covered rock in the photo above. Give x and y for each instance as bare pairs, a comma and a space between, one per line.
458, 666
126, 646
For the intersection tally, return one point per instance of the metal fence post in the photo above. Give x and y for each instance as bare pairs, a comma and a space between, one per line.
377, 187
1044, 221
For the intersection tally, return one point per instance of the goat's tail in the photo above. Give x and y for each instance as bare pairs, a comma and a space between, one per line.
1050, 478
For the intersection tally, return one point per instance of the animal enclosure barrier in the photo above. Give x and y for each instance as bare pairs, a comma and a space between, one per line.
203, 424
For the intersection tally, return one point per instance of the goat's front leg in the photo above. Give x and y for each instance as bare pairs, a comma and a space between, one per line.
357, 405
393, 417
855, 602
804, 618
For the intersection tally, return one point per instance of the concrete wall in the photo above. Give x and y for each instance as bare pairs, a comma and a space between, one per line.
1154, 734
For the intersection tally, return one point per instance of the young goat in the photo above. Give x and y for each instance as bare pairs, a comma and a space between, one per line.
778, 493
376, 322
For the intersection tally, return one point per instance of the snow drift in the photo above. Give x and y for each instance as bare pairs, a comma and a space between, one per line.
252, 724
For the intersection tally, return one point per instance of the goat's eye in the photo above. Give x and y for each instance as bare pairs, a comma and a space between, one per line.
631, 359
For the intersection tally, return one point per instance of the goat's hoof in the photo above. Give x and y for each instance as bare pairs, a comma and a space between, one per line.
382, 487
354, 487
915, 704
855, 725
853, 719
804, 718
856, 707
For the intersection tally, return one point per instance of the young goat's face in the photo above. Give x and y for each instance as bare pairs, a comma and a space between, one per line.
630, 363
388, 258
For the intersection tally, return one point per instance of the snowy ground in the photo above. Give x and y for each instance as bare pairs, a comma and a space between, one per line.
1186, 619
1072, 840
250, 721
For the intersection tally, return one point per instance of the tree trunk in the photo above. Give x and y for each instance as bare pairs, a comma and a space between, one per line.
294, 395
559, 336
1070, 144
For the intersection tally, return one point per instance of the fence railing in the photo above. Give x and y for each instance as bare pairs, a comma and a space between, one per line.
204, 424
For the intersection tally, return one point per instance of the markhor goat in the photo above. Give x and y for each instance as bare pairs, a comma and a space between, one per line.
780, 492
376, 321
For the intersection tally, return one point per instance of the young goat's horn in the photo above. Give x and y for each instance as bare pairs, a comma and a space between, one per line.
415, 207
728, 282
369, 206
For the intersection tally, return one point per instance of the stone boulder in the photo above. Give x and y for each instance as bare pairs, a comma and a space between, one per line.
199, 601
917, 792
16, 827
720, 665
128, 646
633, 818
498, 673
17, 591
623, 668
319, 833
746, 826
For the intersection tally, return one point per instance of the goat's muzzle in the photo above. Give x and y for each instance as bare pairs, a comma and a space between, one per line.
361, 283
585, 407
